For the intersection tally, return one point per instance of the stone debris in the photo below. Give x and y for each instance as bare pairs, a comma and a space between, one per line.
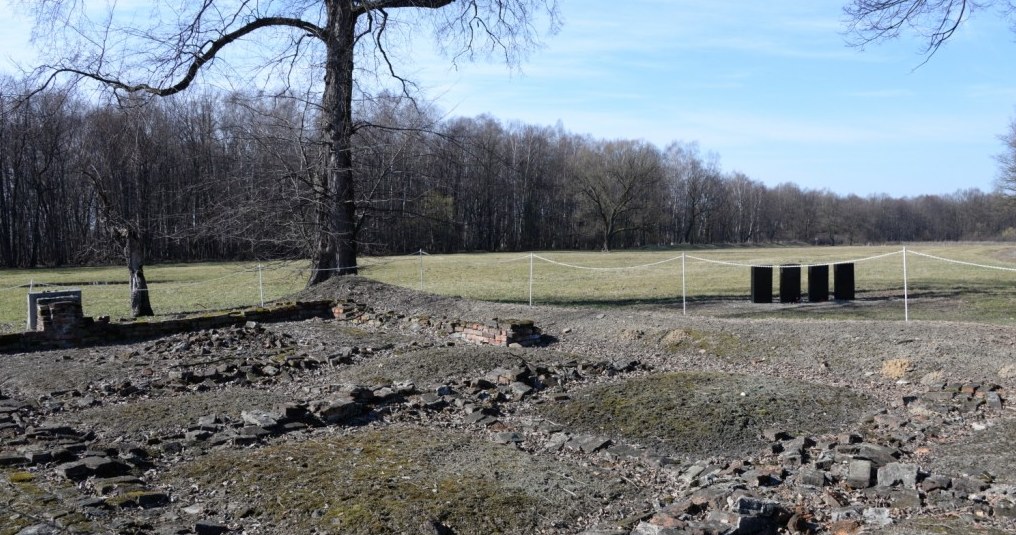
830, 484
864, 479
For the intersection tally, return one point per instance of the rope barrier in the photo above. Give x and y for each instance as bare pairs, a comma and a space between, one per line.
739, 264
549, 261
961, 262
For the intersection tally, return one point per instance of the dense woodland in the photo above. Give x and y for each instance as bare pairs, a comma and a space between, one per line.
215, 176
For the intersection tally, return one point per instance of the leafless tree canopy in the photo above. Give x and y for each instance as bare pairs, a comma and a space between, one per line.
163, 47
934, 20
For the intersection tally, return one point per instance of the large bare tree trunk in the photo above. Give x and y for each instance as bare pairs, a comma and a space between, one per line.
336, 252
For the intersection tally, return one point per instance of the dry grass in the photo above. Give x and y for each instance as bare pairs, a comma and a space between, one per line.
896, 368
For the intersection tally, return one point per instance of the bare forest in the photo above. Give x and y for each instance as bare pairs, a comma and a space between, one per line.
217, 176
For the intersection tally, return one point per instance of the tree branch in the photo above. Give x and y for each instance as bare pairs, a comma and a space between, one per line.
214, 47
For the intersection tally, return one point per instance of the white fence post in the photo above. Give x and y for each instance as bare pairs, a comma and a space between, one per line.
906, 297
530, 278
421, 270
684, 288
261, 285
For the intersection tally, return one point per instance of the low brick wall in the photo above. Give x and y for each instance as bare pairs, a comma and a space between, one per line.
63, 326
499, 332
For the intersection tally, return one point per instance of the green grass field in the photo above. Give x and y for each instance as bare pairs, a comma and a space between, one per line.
716, 281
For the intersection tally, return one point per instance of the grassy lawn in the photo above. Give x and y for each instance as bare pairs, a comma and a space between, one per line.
174, 288
716, 281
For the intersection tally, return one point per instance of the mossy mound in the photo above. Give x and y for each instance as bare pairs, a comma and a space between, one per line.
701, 414
402, 481
721, 344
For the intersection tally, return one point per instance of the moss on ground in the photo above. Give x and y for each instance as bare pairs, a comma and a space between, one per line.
941, 525
396, 481
167, 414
699, 413
21, 477
23, 502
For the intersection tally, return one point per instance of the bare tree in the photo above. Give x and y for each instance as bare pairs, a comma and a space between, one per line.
618, 179
163, 54
1007, 162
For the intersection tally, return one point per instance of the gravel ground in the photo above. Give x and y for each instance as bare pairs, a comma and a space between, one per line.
450, 455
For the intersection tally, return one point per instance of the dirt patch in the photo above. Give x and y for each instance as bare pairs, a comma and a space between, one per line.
701, 414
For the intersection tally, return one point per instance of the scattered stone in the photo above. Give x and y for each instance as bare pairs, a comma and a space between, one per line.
877, 516
901, 474
259, 418
967, 485
207, 527
508, 437
859, 474
815, 478
336, 411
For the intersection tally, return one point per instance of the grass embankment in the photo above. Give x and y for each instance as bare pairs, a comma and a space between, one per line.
713, 279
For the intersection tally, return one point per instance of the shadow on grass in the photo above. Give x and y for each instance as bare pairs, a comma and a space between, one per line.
980, 303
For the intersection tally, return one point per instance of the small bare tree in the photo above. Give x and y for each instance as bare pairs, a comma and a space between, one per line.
165, 52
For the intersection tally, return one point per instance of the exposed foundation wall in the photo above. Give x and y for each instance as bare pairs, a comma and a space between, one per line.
62, 325
498, 332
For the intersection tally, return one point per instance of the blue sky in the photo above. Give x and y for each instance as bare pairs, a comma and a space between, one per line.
771, 87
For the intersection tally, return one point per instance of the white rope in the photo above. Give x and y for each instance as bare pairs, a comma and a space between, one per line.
491, 263
607, 269
960, 262
859, 260
724, 263
206, 281
510, 260
57, 286
740, 264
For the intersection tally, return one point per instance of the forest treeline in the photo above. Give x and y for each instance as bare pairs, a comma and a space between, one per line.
217, 176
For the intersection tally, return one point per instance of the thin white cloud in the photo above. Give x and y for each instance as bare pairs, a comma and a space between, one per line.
882, 93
